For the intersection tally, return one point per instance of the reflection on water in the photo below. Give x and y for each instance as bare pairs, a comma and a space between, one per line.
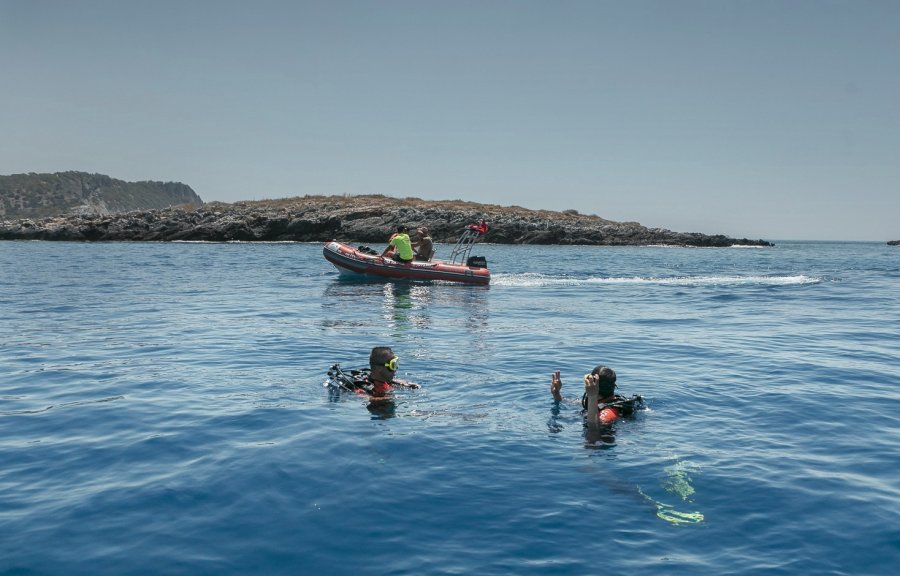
380, 408
406, 307
595, 436
344, 302
599, 436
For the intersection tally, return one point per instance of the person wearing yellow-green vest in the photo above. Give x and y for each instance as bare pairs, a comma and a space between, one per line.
399, 246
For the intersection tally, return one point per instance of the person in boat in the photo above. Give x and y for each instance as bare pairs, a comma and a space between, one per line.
399, 246
601, 405
424, 245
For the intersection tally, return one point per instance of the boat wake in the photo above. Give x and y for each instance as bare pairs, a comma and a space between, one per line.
534, 279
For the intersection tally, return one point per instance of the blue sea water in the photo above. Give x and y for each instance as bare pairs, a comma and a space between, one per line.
162, 411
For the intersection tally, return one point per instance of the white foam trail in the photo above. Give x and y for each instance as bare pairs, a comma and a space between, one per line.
533, 279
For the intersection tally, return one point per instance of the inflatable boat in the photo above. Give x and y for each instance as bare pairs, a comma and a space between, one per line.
363, 261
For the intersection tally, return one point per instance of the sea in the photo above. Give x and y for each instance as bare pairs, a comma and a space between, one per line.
164, 410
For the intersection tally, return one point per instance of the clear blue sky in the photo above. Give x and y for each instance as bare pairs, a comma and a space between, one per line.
765, 119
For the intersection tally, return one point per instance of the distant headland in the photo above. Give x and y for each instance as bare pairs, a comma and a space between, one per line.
41, 195
368, 219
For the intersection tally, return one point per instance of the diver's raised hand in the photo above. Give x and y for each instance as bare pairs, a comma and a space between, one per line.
555, 386
591, 384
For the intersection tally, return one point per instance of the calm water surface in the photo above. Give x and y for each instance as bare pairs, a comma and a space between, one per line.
162, 411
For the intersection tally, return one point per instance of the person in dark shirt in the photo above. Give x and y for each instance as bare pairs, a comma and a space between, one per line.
424, 245
599, 388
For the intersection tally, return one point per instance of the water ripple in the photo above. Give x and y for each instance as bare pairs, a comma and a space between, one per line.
162, 405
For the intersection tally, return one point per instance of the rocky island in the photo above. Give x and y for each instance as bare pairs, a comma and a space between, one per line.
894, 243
368, 219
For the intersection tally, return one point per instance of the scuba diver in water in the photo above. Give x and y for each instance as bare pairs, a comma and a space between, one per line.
377, 381
601, 407
600, 404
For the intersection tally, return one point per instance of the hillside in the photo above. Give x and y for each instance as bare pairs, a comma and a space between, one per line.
40, 195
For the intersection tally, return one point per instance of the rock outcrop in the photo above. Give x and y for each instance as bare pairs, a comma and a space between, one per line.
894, 243
367, 219
42, 195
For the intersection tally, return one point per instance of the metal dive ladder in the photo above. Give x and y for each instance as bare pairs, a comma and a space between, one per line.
464, 245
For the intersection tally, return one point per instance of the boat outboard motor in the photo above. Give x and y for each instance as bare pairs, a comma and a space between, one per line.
476, 262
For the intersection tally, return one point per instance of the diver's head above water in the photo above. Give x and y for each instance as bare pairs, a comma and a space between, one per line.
606, 380
383, 363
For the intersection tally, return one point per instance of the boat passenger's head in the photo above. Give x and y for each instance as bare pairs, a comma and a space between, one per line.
423, 231
606, 380
402, 229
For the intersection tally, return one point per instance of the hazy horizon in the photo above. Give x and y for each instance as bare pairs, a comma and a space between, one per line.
758, 119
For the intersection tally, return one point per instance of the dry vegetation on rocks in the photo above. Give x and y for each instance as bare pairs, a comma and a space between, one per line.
368, 219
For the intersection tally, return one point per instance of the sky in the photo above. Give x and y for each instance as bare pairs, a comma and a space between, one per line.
755, 118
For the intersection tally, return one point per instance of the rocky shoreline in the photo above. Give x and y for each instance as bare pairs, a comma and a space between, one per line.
367, 219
